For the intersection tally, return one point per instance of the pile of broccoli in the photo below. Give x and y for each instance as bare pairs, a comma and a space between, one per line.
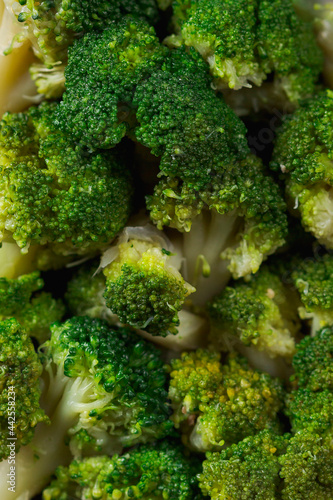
166, 285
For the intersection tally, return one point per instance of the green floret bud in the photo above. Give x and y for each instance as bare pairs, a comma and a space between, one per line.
246, 470
124, 378
260, 313
243, 42
53, 192
144, 288
158, 471
35, 312
311, 410
307, 468
303, 152
20, 391
313, 280
313, 361
84, 295
212, 414
102, 73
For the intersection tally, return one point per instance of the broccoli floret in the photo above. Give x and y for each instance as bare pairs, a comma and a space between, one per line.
313, 280
144, 287
85, 297
216, 404
311, 410
34, 312
260, 313
102, 383
181, 119
101, 75
53, 192
303, 153
20, 369
156, 471
53, 26
246, 470
307, 468
245, 41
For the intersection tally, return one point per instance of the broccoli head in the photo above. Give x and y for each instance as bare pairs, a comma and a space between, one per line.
216, 404
307, 468
202, 169
313, 361
155, 471
303, 153
143, 285
34, 312
246, 470
20, 369
244, 42
104, 388
102, 73
313, 280
310, 410
53, 192
260, 313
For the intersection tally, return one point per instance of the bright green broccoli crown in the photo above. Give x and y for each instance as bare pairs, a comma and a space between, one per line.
303, 152
144, 288
84, 295
311, 410
53, 192
20, 391
313, 361
35, 312
124, 376
102, 73
157, 471
307, 468
246, 470
254, 201
53, 25
243, 42
313, 280
261, 312
237, 402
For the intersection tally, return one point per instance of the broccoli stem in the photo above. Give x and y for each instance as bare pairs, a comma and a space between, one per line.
13, 263
210, 234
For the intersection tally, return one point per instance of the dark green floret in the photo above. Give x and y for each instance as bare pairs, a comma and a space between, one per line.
35, 312
244, 42
307, 468
20, 390
102, 73
216, 404
245, 471
261, 313
54, 192
303, 153
157, 471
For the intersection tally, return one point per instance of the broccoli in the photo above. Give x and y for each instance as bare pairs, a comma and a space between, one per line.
54, 193
312, 279
102, 73
246, 470
143, 285
85, 297
245, 42
53, 26
155, 471
14, 263
203, 187
260, 313
216, 404
104, 388
20, 369
307, 468
34, 312
303, 153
